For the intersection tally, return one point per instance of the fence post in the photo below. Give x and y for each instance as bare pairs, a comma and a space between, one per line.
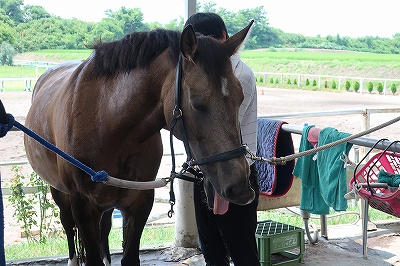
384, 87
298, 84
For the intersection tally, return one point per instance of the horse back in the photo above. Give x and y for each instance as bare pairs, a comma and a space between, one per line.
95, 119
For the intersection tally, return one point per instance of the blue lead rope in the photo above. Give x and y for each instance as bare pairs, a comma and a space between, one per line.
100, 176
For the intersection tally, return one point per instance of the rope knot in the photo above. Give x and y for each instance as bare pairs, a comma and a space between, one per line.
100, 176
4, 128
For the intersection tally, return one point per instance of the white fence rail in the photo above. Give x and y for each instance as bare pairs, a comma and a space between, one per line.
340, 79
17, 82
300, 77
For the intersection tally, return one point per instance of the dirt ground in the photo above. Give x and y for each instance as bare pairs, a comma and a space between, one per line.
270, 101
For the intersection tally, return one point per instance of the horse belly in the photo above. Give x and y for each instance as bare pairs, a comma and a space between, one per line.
40, 119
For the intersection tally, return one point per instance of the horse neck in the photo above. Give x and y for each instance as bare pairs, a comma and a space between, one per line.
135, 100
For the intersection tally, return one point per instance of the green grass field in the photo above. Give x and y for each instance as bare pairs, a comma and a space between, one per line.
302, 61
316, 62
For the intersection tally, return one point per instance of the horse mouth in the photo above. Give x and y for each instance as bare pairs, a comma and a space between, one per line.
220, 203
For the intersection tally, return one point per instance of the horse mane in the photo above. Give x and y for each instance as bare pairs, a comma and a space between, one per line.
138, 49
135, 50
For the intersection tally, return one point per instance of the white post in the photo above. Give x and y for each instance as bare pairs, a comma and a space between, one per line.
384, 88
185, 221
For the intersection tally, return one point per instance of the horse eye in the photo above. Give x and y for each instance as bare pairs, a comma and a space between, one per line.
199, 107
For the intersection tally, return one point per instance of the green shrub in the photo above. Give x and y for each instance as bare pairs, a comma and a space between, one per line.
307, 82
326, 84
347, 85
393, 88
288, 82
380, 88
25, 213
314, 83
295, 82
7, 53
370, 87
271, 80
261, 79
356, 86
276, 81
334, 86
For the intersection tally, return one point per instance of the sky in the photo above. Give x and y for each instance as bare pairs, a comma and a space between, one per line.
353, 18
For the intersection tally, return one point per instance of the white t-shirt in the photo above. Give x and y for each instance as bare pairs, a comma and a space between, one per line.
248, 108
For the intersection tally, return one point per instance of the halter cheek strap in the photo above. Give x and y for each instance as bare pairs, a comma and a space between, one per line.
190, 164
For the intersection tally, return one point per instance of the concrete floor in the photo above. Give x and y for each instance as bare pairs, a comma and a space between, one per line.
343, 247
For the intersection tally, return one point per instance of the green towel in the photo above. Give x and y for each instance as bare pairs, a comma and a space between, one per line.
331, 170
393, 180
306, 169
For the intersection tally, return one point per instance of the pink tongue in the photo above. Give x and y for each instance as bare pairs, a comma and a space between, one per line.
220, 205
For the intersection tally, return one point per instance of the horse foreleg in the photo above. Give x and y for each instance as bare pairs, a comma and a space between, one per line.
135, 219
62, 201
105, 227
88, 218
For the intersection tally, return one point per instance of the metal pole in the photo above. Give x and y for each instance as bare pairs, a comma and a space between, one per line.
365, 227
190, 8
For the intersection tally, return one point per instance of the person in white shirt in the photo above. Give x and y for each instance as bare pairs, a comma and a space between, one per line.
232, 234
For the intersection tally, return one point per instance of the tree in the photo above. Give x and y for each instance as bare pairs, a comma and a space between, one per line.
7, 53
129, 19
13, 10
175, 24
34, 13
393, 88
7, 33
356, 86
207, 7
380, 88
5, 18
107, 30
347, 85
370, 87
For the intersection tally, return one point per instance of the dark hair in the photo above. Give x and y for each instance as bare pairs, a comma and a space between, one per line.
208, 24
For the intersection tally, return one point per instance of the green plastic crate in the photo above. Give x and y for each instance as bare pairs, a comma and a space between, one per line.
279, 244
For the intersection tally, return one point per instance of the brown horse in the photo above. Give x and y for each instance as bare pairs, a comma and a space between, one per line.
107, 111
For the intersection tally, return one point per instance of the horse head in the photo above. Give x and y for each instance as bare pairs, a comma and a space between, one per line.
210, 96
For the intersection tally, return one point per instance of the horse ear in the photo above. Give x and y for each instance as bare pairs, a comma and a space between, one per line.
188, 42
233, 43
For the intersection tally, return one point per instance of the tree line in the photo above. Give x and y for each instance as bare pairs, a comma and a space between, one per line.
26, 28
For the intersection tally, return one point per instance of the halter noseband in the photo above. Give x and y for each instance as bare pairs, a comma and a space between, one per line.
190, 164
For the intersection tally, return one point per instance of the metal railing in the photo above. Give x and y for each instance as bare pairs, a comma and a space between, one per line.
362, 141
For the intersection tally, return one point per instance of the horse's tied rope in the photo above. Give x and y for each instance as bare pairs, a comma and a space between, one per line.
100, 176
8, 121
283, 160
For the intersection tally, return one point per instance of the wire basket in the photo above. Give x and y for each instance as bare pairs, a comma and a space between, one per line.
380, 196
